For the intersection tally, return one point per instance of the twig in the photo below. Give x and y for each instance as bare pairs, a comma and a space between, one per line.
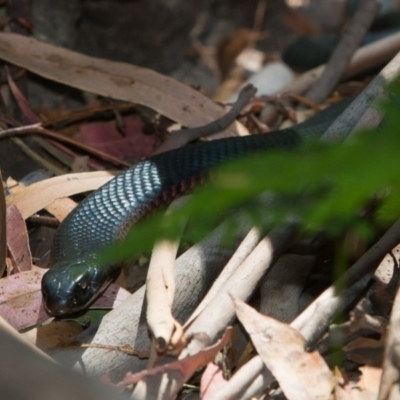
253, 378
44, 220
195, 271
123, 349
209, 324
389, 386
160, 289
367, 57
359, 113
243, 251
181, 137
37, 129
341, 56
3, 236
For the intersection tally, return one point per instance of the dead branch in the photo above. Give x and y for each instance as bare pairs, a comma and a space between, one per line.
183, 136
343, 53
252, 379
360, 114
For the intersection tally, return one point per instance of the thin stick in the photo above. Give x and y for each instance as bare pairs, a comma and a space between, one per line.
243, 251
183, 136
253, 378
37, 129
160, 290
207, 327
390, 376
3, 236
359, 111
343, 53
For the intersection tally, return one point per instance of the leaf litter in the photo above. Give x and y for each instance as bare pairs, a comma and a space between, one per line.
298, 371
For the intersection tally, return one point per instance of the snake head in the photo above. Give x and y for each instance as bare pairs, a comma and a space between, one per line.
71, 287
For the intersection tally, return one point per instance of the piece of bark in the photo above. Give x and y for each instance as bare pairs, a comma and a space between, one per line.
282, 286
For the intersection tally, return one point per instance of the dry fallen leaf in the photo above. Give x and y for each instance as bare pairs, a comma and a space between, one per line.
117, 80
37, 196
366, 351
166, 380
60, 208
18, 240
21, 302
300, 374
105, 136
56, 334
357, 384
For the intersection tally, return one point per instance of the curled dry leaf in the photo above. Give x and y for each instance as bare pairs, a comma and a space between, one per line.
39, 195
301, 375
21, 302
18, 240
121, 81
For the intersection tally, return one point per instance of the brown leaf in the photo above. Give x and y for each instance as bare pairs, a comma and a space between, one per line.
366, 351
175, 373
117, 80
301, 375
56, 334
18, 240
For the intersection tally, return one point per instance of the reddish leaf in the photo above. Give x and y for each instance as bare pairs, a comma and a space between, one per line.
212, 381
165, 381
22, 101
106, 137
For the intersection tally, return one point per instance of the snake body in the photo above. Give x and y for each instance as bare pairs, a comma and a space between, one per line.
104, 217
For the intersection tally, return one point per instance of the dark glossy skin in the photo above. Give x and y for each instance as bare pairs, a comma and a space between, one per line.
74, 280
68, 288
